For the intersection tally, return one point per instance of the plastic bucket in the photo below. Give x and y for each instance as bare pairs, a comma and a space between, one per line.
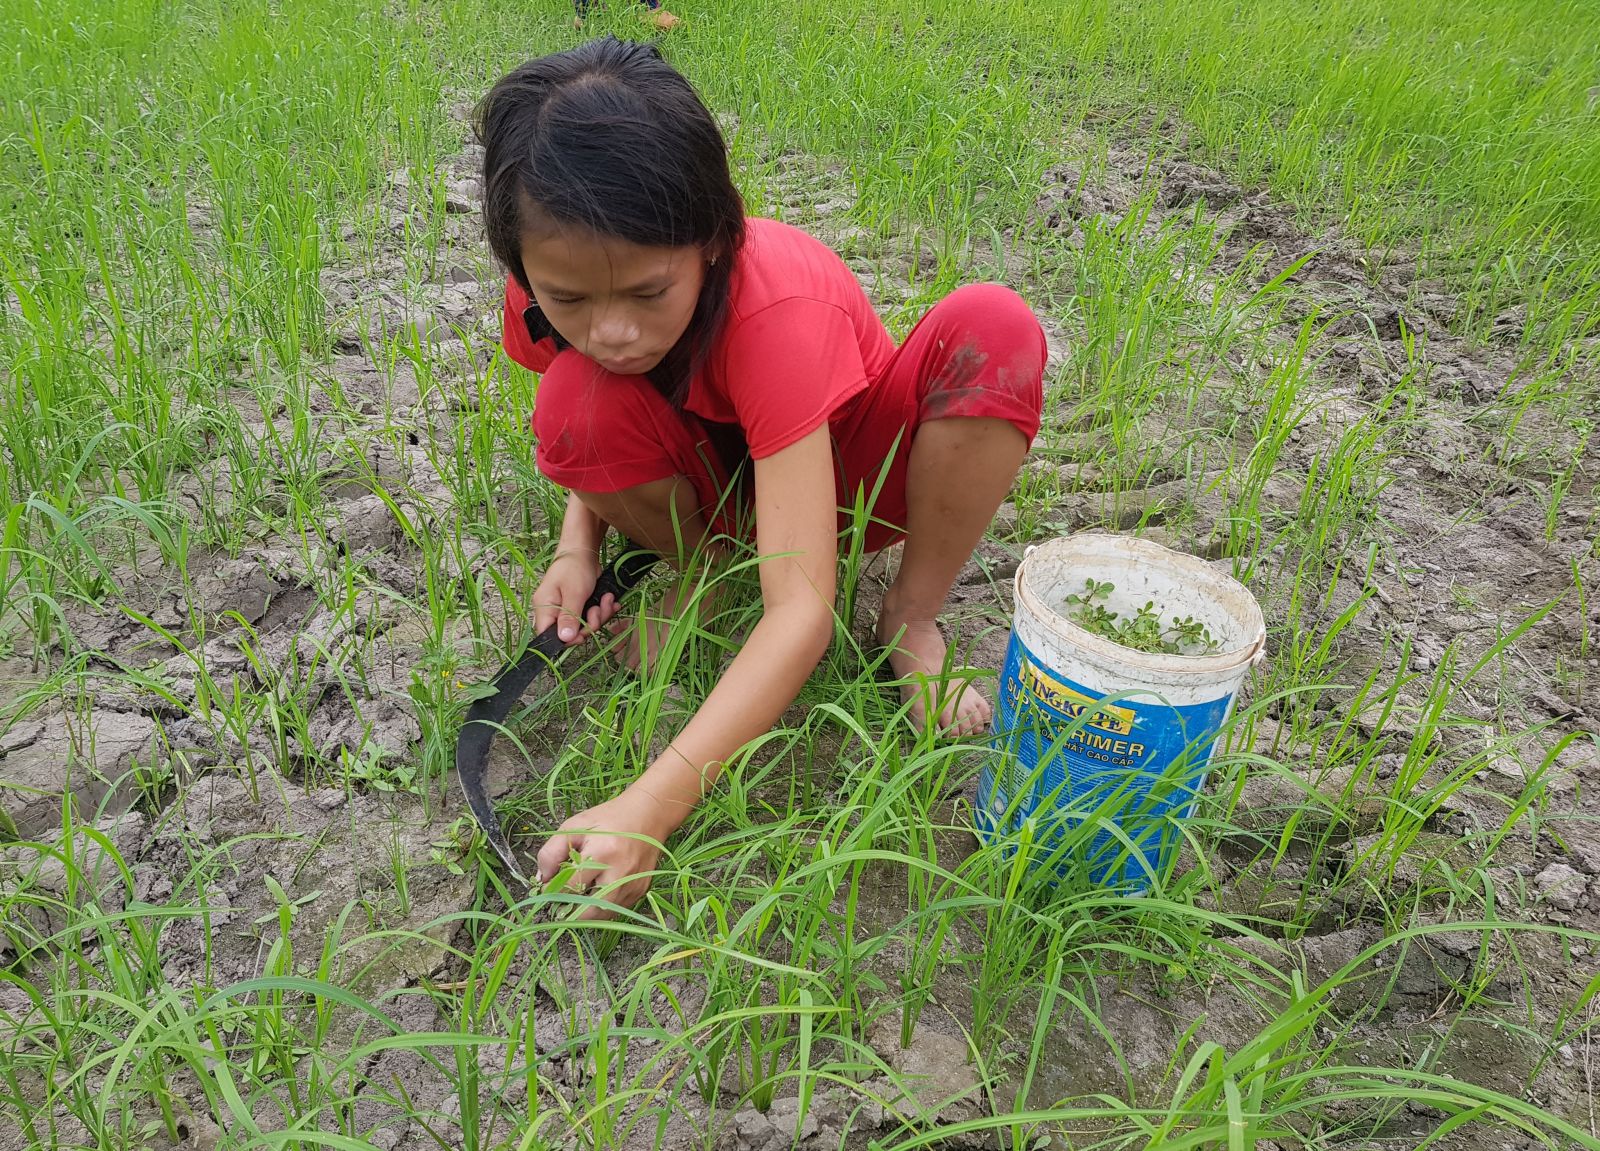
1088, 732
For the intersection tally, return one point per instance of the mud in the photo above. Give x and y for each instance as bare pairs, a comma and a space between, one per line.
1466, 551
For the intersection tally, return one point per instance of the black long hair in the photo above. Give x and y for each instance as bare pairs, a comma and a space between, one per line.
610, 136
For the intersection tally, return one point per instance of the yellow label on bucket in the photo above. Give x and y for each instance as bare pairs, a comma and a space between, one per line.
1073, 703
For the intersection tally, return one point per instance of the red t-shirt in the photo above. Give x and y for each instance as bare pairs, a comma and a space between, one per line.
800, 340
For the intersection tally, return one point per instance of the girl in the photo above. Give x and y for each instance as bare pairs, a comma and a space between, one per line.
679, 341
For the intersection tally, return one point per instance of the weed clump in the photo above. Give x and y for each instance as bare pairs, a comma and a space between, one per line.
1144, 631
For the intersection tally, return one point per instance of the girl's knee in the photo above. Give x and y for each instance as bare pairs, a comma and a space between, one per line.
997, 315
599, 430
576, 399
990, 359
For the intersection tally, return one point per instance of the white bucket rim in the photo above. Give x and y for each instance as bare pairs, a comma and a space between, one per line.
1246, 654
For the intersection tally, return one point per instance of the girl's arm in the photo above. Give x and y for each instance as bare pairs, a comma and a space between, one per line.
796, 529
580, 527
796, 526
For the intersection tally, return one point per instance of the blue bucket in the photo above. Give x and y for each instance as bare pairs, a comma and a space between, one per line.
1101, 750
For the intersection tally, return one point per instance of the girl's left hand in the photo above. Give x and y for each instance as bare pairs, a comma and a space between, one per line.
617, 844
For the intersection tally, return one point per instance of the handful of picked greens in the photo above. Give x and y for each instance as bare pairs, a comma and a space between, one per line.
1144, 631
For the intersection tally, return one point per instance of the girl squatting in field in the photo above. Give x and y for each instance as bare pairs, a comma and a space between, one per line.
677, 341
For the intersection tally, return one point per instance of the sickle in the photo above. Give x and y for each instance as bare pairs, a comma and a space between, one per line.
487, 714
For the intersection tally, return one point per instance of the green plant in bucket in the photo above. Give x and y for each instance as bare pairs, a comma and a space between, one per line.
1144, 631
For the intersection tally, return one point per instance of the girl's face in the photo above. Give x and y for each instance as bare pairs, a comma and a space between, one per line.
622, 305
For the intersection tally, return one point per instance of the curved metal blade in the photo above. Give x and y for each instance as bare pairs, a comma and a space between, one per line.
487, 714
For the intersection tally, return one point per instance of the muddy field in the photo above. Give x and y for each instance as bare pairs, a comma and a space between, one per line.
308, 839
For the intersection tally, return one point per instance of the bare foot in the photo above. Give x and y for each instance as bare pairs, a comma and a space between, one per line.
640, 639
917, 657
663, 19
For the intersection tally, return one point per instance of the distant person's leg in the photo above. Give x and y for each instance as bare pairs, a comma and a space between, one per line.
654, 12
659, 16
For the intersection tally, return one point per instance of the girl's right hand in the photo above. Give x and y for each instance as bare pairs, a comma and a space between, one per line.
567, 585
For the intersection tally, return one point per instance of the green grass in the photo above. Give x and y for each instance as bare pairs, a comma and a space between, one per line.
205, 258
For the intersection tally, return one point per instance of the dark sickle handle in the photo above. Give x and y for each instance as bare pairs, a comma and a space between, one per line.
621, 576
486, 714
